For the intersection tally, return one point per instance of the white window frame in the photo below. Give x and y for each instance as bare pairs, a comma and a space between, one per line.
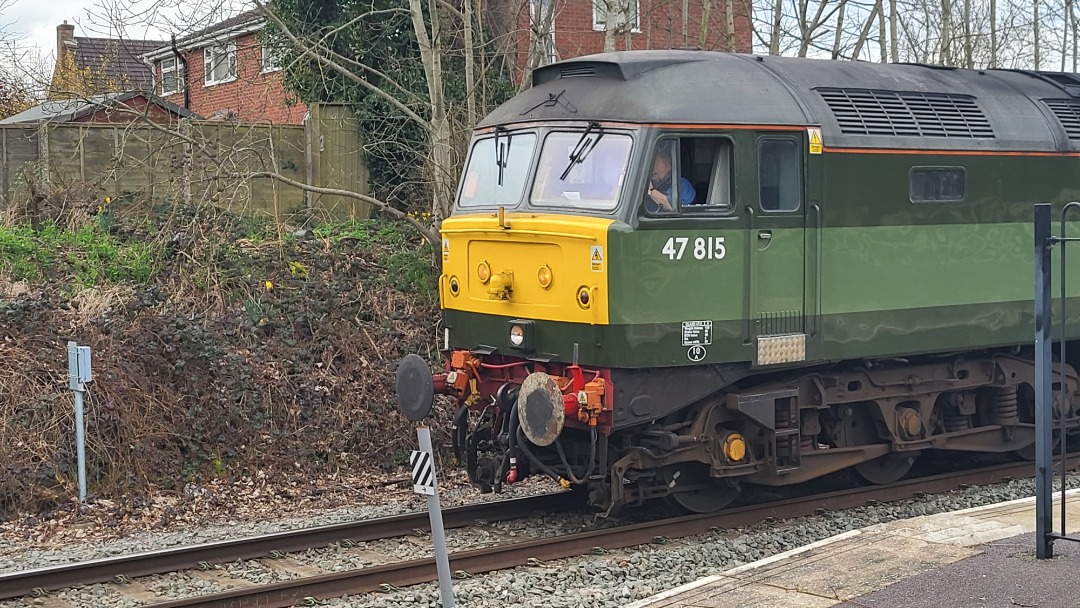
599, 15
269, 62
177, 74
228, 50
536, 8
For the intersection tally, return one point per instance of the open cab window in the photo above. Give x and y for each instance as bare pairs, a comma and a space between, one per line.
497, 170
690, 174
581, 170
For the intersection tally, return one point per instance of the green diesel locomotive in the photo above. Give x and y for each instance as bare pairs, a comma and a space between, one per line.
674, 273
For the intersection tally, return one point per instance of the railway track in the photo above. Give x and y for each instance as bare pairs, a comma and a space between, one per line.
405, 573
122, 568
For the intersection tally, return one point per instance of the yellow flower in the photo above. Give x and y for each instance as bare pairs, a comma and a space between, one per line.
298, 270
269, 285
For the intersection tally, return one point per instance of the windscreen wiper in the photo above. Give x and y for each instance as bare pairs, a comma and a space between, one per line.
583, 147
502, 153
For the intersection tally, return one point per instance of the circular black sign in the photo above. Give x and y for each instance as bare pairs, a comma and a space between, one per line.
415, 388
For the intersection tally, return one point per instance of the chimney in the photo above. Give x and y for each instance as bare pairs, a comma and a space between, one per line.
64, 33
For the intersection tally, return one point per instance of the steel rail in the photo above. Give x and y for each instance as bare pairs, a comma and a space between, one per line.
27, 582
401, 574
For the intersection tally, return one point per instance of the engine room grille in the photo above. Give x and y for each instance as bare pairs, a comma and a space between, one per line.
906, 113
1068, 112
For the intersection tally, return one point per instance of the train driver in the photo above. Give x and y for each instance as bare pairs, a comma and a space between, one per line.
660, 187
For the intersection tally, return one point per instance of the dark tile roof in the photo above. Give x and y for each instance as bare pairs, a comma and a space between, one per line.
118, 60
247, 17
240, 19
63, 110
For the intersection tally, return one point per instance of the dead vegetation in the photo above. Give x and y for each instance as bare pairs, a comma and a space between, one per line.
225, 348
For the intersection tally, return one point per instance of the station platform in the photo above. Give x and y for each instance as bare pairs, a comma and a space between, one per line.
980, 557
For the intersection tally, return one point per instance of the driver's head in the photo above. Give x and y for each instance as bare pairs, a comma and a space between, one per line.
661, 167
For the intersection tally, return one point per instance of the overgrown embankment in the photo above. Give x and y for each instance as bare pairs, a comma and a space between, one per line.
223, 346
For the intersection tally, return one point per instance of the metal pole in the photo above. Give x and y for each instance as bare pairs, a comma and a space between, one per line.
80, 431
1044, 473
438, 535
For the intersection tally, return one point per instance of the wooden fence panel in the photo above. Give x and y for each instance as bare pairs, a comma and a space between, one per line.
18, 153
143, 163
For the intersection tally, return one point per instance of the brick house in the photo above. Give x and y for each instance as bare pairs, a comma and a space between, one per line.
577, 27
88, 66
224, 71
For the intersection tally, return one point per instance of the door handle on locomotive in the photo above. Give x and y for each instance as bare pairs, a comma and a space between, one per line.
764, 235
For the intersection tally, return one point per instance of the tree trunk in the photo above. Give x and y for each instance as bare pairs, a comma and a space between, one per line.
540, 23
439, 160
865, 34
1072, 23
804, 25
470, 60
945, 57
993, 34
882, 49
969, 59
894, 39
609, 25
729, 14
774, 36
686, 22
1035, 28
839, 29
703, 30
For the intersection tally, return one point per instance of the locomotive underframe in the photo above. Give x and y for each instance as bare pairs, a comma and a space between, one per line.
795, 425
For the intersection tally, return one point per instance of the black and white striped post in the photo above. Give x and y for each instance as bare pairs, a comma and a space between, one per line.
416, 395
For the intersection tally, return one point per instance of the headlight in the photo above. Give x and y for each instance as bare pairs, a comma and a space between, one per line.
483, 272
522, 334
517, 335
544, 276
455, 286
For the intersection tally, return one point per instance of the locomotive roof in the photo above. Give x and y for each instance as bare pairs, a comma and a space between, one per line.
857, 104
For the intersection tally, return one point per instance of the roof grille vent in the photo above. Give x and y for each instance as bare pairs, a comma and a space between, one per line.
906, 113
577, 70
1068, 112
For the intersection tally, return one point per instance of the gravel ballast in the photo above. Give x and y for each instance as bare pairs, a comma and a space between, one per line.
599, 580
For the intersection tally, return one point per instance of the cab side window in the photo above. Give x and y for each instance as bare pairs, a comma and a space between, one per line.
709, 169
690, 174
778, 175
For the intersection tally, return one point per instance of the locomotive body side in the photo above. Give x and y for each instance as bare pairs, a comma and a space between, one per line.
847, 290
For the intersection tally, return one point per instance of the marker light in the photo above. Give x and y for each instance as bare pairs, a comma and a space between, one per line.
544, 276
455, 287
483, 272
517, 335
583, 297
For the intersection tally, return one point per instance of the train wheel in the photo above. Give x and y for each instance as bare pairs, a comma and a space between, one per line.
704, 494
886, 469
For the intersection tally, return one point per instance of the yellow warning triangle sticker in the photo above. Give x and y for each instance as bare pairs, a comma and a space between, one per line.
596, 255
815, 139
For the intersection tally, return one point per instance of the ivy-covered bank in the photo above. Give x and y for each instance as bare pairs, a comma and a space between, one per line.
222, 346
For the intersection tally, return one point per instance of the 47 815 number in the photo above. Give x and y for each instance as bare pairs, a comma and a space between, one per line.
703, 248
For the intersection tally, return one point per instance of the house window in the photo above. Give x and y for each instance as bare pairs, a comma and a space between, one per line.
220, 63
542, 22
623, 12
270, 61
171, 78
